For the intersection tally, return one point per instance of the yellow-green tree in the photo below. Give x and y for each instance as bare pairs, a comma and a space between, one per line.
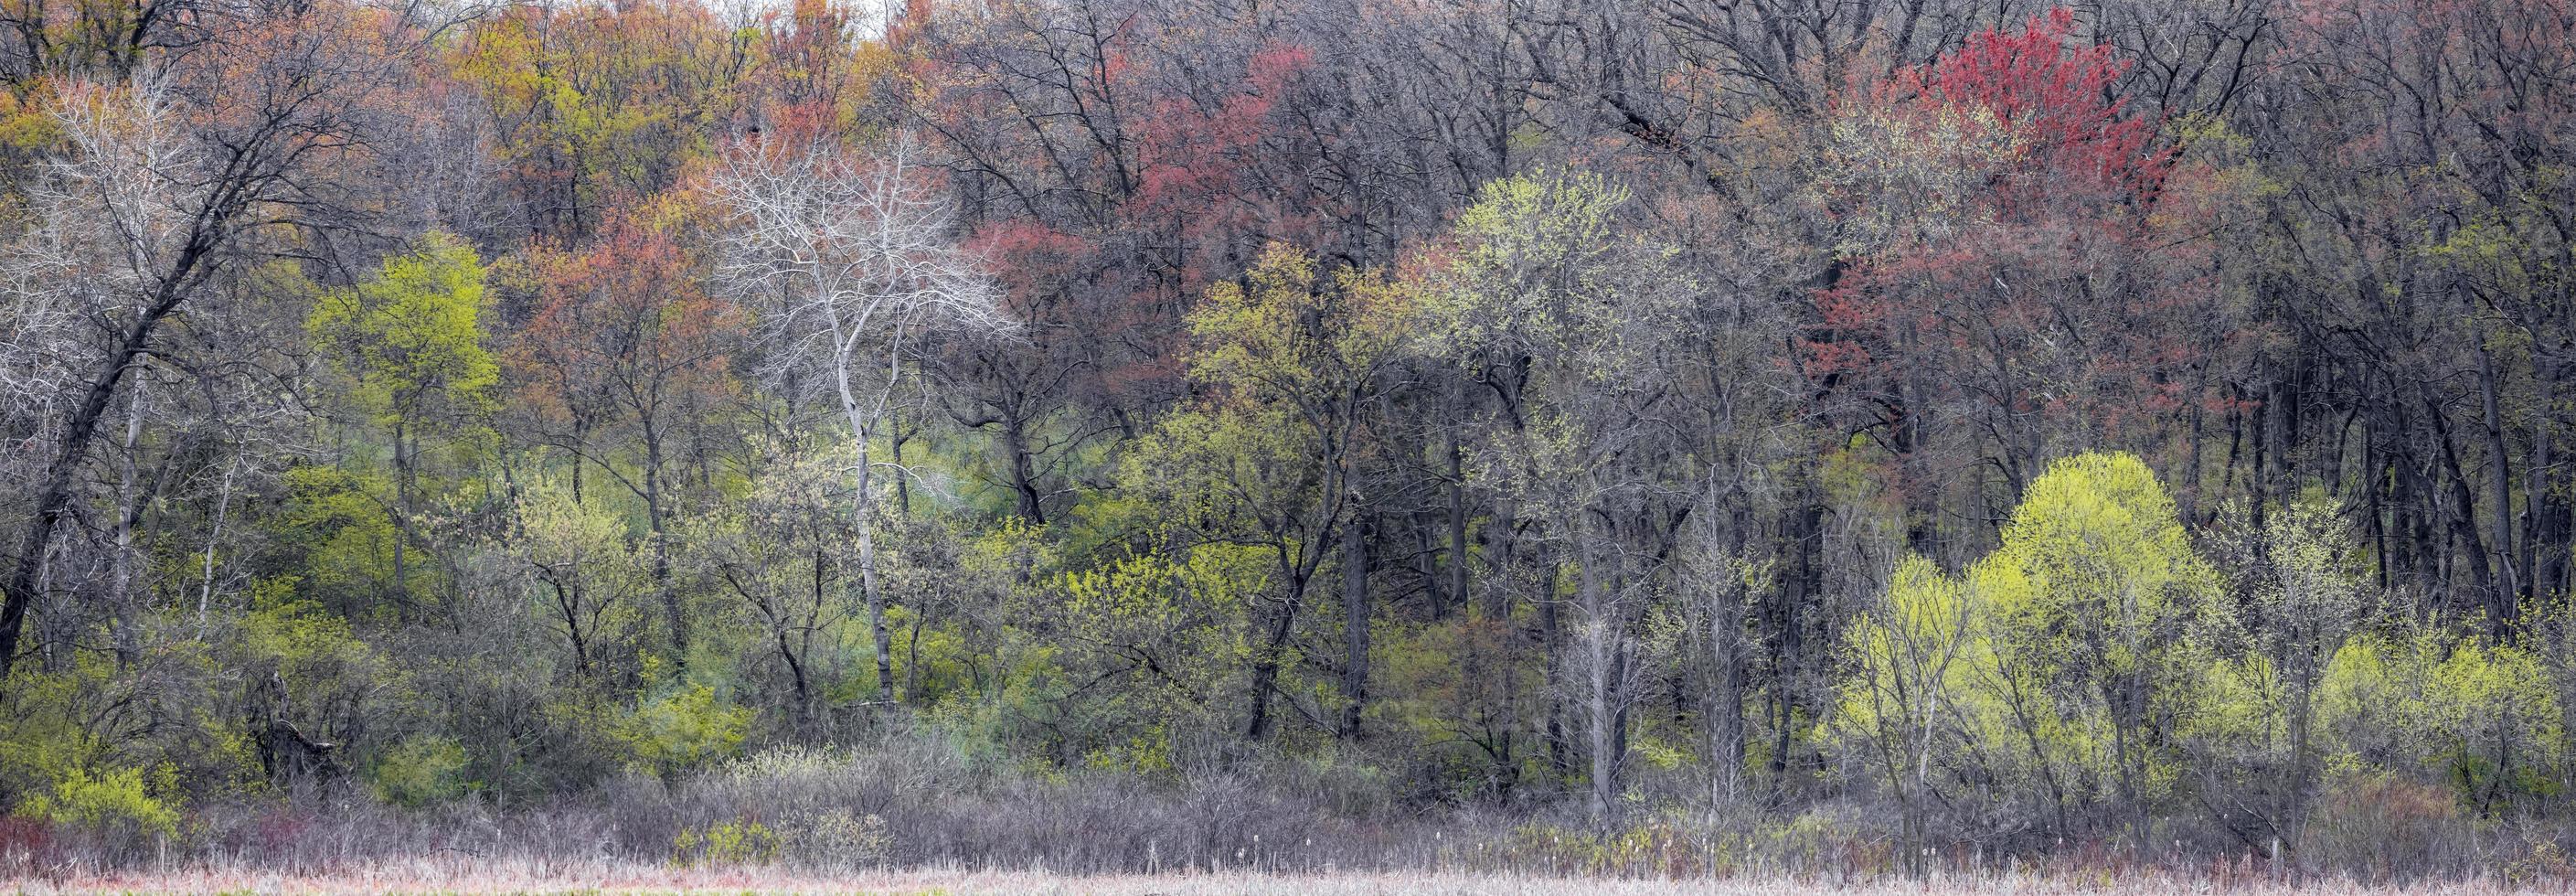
1289, 360
2479, 717
1173, 627
587, 579
1578, 322
409, 347
2056, 666
592, 102
1910, 676
2093, 600
2298, 578
768, 553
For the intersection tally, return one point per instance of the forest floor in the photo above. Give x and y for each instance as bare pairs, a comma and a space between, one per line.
432, 876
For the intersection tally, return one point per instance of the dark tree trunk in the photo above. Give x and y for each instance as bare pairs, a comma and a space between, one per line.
1356, 612
54, 497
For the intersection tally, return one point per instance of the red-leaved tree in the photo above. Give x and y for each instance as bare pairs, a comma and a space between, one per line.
2005, 288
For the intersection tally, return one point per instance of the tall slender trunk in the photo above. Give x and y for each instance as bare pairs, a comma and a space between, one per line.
1551, 637
1502, 559
1807, 524
796, 672
2302, 721
580, 437
1271, 643
215, 536
1600, 644
656, 512
127, 641
2544, 550
402, 517
1457, 524
1355, 623
1024, 485
2464, 526
2500, 481
863, 501
2259, 479
868, 579
902, 483
2192, 448
1725, 708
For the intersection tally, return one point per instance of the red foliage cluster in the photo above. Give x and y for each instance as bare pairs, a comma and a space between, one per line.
2050, 299
1136, 187
2058, 102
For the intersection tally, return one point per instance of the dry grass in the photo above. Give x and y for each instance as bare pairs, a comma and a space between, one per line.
943, 823
465, 876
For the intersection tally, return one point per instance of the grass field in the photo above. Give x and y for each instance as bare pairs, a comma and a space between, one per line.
465, 877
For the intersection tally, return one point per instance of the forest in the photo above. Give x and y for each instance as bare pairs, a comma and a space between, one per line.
1638, 438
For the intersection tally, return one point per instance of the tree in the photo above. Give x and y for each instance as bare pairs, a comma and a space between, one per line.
623, 365
162, 182
2065, 662
777, 550
586, 576
1572, 324
2098, 610
2416, 207
1985, 205
588, 102
1910, 654
850, 261
1289, 361
2299, 580
410, 343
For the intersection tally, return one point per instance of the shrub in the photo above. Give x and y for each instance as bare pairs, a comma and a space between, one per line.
117, 804
683, 729
839, 839
2382, 825
738, 842
2480, 718
422, 769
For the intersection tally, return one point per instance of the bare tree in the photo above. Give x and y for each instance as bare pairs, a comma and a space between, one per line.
162, 178
858, 260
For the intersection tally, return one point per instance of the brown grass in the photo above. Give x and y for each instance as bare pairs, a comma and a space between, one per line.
468, 876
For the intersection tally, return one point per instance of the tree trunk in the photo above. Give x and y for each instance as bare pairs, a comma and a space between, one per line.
868, 579
2500, 480
1355, 624
2544, 543
2464, 527
126, 639
215, 537
402, 517
1457, 522
1725, 707
655, 511
1604, 648
863, 500
902, 482
1024, 486
1806, 526
1552, 664
1273, 634
2302, 721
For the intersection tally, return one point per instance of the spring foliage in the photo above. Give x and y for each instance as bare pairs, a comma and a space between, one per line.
2133, 425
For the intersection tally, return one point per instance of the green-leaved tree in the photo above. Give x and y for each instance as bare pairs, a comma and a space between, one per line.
409, 344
